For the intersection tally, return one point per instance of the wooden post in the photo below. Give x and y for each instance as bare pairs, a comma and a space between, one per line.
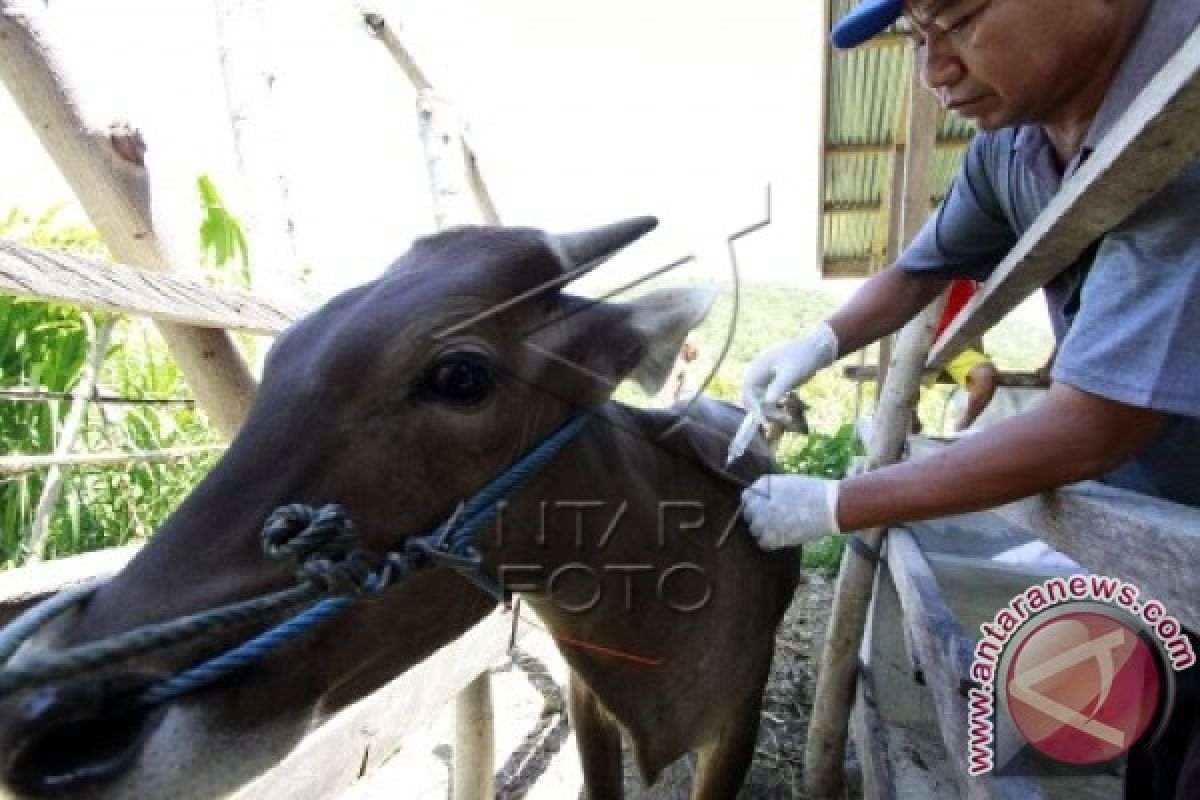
474, 741
107, 172
839, 659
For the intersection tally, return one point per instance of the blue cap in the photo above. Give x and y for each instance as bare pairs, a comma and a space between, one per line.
871, 17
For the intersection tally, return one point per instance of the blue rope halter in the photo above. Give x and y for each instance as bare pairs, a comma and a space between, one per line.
331, 568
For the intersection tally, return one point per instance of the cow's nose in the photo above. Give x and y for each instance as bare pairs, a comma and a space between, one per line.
66, 737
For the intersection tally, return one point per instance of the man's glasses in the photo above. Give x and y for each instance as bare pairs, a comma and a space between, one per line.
949, 18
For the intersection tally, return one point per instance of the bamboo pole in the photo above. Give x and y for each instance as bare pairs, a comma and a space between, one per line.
11, 466
35, 542
38, 396
107, 172
839, 658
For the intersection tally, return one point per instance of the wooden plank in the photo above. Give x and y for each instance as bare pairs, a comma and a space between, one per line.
92, 283
1152, 543
359, 738
18, 464
1152, 142
945, 654
1021, 380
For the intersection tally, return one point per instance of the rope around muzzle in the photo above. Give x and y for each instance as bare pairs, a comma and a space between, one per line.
330, 566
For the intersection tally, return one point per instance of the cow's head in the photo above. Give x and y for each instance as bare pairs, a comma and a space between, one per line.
395, 400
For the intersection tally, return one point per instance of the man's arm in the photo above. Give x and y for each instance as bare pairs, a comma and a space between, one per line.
881, 306
1070, 436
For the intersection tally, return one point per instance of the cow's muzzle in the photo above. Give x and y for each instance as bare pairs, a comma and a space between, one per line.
65, 737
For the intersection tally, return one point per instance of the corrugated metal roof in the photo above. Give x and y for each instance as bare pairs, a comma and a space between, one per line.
866, 91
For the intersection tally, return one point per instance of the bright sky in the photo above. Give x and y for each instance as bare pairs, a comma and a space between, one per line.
582, 111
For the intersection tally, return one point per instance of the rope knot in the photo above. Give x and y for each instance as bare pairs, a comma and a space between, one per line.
302, 531
353, 574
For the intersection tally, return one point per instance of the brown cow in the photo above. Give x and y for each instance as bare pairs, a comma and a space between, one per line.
397, 400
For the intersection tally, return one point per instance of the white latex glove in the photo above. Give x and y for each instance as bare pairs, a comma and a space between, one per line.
788, 510
772, 374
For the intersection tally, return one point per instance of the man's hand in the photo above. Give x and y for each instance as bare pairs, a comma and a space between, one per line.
788, 510
786, 366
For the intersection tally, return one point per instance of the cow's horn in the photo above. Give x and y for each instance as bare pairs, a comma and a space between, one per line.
589, 248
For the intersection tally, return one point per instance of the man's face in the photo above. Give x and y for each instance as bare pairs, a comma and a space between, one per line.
1006, 62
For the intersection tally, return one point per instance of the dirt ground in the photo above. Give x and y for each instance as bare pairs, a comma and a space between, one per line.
535, 749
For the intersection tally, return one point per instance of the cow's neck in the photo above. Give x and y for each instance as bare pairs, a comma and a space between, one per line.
589, 541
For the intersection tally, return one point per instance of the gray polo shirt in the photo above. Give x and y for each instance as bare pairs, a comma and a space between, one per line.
1127, 314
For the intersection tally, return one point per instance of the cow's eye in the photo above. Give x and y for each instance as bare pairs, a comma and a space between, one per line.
459, 379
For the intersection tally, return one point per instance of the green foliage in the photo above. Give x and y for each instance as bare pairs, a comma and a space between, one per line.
44, 346
221, 238
823, 456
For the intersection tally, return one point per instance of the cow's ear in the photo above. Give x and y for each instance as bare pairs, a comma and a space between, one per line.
663, 319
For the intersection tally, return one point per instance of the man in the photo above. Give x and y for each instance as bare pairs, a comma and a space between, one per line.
1043, 81
971, 370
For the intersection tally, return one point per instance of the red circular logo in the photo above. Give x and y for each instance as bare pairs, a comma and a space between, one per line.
1083, 687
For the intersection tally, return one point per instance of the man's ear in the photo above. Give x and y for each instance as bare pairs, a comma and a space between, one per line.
664, 318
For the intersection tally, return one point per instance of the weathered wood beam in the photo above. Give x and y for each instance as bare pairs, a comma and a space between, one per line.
1154, 140
1151, 543
94, 284
944, 653
11, 466
1021, 380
